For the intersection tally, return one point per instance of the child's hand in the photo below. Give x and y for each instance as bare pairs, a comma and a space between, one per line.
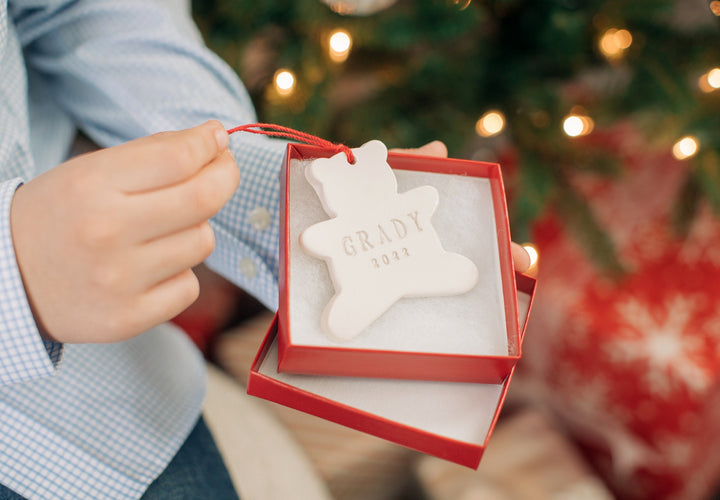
521, 259
106, 241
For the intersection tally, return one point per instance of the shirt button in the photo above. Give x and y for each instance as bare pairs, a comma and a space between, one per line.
259, 218
248, 268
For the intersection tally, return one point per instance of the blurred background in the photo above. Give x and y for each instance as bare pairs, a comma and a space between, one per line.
605, 118
539, 82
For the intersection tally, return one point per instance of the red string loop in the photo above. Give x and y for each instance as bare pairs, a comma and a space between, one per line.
289, 133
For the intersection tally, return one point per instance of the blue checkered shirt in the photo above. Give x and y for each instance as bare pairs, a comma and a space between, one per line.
103, 421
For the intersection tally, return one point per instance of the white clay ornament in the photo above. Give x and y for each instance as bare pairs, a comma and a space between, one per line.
379, 245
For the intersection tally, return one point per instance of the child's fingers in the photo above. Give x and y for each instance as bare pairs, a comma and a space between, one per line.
521, 259
167, 299
434, 148
166, 158
167, 211
165, 257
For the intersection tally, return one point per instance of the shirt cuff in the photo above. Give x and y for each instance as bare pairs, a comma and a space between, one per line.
24, 355
247, 227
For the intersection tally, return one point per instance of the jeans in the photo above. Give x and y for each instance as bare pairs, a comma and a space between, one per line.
196, 472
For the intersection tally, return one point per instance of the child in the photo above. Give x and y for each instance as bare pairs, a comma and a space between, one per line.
99, 249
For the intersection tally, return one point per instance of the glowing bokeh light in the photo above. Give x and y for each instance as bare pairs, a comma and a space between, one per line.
713, 78
685, 148
340, 43
614, 42
623, 39
573, 126
490, 124
578, 125
284, 81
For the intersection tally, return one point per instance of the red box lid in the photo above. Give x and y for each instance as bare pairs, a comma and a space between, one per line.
346, 359
449, 420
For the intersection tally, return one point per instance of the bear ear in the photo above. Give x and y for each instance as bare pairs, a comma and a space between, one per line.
372, 150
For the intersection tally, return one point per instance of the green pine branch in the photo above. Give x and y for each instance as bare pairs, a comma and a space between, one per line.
425, 69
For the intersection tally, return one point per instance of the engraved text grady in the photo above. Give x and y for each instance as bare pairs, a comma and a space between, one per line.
394, 229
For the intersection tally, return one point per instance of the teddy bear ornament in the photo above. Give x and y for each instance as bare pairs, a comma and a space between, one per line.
379, 245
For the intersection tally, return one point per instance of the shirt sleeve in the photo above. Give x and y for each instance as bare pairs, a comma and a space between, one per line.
127, 69
23, 353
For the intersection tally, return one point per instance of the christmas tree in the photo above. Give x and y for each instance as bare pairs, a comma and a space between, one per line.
537, 79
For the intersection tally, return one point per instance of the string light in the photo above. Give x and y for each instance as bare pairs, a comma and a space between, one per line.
490, 124
614, 43
685, 148
710, 81
713, 78
340, 43
576, 125
715, 7
284, 82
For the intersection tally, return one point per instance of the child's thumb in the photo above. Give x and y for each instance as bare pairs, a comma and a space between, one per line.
434, 148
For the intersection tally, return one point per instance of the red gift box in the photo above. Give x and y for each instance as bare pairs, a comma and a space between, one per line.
469, 338
449, 420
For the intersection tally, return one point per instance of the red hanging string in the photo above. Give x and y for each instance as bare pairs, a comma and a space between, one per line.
289, 133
